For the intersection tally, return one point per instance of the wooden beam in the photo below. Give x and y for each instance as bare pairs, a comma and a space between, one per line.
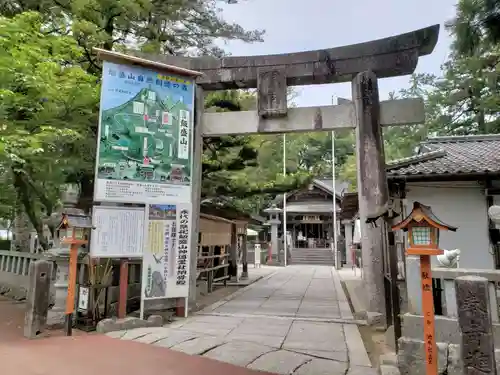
306, 119
121, 58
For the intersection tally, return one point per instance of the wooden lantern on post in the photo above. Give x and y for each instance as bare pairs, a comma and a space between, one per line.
423, 234
74, 230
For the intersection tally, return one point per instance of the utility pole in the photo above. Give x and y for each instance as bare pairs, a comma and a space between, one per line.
334, 200
284, 203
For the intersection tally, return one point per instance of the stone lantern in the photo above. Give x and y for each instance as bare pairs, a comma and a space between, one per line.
274, 221
60, 255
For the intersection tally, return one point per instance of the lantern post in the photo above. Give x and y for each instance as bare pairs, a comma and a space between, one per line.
423, 234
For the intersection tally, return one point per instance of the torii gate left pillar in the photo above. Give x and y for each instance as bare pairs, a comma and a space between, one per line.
361, 64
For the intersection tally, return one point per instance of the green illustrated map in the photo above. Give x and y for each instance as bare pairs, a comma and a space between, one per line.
147, 139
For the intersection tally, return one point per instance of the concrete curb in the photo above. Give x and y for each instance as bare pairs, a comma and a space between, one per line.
345, 309
128, 323
288, 317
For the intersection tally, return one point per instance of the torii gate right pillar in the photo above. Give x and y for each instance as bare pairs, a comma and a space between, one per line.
373, 194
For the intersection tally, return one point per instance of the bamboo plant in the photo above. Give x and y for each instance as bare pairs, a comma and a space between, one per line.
100, 275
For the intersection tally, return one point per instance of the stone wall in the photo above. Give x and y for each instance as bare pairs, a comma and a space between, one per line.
14, 268
411, 360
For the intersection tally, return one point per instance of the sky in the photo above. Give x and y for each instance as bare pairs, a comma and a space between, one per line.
298, 25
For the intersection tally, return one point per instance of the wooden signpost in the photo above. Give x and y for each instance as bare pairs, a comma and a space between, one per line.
423, 234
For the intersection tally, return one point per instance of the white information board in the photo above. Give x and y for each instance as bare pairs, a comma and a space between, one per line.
165, 261
118, 233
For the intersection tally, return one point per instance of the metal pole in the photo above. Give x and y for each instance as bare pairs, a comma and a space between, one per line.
284, 202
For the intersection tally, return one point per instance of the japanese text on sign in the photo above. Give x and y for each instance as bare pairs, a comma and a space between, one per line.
166, 248
183, 147
173, 235
429, 354
183, 247
159, 80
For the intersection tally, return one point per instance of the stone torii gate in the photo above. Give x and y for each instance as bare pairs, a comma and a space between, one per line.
362, 64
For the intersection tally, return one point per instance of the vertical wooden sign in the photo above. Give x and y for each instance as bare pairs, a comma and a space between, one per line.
423, 228
428, 311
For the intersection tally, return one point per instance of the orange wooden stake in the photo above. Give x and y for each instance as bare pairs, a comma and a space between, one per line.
428, 311
70, 299
73, 259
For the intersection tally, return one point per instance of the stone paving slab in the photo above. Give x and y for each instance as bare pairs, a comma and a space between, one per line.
279, 362
199, 345
155, 336
315, 336
238, 353
264, 327
322, 367
278, 324
272, 341
321, 354
206, 328
176, 337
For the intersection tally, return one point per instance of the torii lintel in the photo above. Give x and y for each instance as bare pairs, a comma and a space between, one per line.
388, 57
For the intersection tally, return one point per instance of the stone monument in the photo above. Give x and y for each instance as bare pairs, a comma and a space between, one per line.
476, 327
274, 222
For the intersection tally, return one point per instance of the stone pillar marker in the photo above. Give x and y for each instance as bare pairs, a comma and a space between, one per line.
348, 243
233, 256
475, 324
37, 299
274, 221
244, 253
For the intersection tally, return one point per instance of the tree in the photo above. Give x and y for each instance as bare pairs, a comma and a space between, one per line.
244, 171
47, 106
476, 22
175, 27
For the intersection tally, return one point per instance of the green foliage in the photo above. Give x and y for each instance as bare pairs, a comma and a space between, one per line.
49, 82
47, 107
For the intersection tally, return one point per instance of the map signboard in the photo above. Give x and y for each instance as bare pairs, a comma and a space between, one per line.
145, 136
165, 262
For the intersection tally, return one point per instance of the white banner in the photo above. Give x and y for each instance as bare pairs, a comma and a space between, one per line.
165, 272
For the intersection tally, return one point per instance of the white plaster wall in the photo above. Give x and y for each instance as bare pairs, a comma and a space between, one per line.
462, 205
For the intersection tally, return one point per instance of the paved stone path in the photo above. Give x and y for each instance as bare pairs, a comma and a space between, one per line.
294, 321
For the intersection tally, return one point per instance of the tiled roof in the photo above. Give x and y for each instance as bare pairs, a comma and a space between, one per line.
451, 156
326, 184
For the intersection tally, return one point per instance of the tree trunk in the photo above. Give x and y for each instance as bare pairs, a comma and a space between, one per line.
23, 191
21, 230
